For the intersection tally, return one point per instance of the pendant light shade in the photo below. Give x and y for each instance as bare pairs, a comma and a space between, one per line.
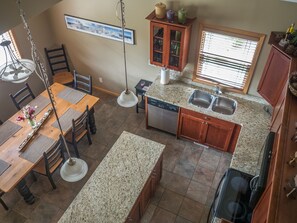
74, 170
16, 70
127, 99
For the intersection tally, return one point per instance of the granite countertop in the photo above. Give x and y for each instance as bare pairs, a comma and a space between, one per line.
110, 193
249, 114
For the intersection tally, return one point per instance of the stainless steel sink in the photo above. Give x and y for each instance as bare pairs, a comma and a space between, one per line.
201, 99
224, 106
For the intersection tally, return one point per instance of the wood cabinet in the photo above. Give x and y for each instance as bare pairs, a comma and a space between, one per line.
169, 42
147, 192
274, 206
205, 129
274, 76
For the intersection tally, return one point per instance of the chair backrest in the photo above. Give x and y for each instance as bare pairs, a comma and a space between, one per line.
57, 59
83, 83
54, 154
23, 94
80, 124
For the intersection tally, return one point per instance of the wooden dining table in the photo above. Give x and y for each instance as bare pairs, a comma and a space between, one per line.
17, 164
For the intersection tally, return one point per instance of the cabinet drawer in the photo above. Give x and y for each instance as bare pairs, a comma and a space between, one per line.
207, 118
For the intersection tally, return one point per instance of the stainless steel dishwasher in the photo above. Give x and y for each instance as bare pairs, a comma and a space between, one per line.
162, 115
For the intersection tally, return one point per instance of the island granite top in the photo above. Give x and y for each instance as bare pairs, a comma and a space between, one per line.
249, 114
110, 193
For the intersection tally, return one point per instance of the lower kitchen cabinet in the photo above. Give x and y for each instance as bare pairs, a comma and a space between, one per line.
147, 192
205, 129
135, 213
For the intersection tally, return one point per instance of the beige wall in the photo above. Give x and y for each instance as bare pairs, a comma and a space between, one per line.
104, 58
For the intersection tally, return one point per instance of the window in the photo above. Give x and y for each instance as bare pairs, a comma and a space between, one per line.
227, 56
8, 36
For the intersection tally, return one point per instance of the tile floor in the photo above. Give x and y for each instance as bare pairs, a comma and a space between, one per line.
190, 174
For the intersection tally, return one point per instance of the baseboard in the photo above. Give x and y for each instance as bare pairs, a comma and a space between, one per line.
106, 91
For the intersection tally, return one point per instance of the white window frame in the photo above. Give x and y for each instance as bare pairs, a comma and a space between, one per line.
230, 32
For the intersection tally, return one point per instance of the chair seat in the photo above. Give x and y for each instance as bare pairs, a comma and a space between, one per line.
40, 167
63, 78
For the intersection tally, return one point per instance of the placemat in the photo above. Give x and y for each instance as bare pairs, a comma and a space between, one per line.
41, 102
71, 95
36, 148
66, 119
3, 166
7, 130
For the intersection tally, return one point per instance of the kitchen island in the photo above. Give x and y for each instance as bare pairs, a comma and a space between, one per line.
132, 164
249, 114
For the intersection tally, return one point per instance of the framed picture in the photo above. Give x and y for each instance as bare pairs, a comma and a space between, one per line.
99, 29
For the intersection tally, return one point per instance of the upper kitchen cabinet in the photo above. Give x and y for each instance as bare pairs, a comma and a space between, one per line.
275, 75
169, 42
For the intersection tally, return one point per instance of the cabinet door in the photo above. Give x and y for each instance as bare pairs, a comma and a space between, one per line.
135, 213
274, 76
260, 212
176, 38
158, 44
145, 196
218, 134
191, 128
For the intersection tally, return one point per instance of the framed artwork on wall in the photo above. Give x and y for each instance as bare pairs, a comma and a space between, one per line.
99, 29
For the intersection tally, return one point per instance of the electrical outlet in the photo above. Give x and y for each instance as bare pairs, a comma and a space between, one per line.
100, 80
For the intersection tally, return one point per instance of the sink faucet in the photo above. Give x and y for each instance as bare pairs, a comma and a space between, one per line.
218, 90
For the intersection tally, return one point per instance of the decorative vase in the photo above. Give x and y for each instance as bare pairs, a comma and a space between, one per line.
181, 16
32, 123
160, 10
170, 15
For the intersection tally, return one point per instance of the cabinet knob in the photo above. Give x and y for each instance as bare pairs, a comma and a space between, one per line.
206, 118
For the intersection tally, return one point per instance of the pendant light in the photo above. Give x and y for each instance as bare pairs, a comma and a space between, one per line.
127, 98
16, 70
73, 169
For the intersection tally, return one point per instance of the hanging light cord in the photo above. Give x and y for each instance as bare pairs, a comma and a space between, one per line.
122, 19
41, 73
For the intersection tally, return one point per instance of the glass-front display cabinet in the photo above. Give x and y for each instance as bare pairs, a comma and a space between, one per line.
169, 42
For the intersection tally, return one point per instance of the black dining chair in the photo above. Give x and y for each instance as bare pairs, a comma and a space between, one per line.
22, 96
59, 65
2, 202
83, 83
1, 122
80, 128
52, 159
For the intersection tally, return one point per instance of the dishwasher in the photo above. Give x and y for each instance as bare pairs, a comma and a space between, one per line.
162, 115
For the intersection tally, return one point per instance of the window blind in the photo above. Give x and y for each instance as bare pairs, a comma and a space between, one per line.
225, 59
8, 36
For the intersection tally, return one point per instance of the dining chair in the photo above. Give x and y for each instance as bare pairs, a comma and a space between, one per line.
80, 128
2, 202
59, 65
52, 159
22, 96
82, 83
1, 122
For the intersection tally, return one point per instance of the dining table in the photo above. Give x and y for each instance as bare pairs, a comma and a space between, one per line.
17, 161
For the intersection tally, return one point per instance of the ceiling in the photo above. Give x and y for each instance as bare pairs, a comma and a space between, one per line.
9, 14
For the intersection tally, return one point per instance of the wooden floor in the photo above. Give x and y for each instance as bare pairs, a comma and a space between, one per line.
190, 173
